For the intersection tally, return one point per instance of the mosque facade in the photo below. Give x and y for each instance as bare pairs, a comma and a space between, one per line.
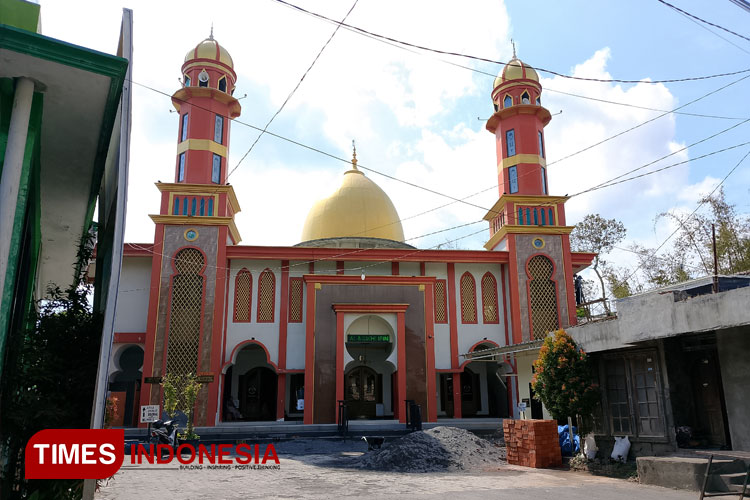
350, 314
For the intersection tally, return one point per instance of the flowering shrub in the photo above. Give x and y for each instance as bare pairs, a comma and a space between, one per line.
562, 379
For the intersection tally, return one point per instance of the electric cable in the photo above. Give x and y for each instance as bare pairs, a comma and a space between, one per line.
283, 104
493, 61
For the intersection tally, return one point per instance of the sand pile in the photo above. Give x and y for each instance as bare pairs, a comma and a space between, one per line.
437, 449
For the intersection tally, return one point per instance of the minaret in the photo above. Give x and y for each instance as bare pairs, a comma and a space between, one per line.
527, 221
194, 226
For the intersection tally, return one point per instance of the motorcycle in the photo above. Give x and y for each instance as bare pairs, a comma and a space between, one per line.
165, 433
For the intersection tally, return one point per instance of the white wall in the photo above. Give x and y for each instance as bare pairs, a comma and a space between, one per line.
133, 294
376, 268
266, 333
469, 334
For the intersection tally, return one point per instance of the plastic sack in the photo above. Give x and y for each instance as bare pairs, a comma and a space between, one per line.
621, 449
589, 447
567, 447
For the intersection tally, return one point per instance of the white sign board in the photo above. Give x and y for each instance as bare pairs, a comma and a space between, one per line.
149, 413
522, 406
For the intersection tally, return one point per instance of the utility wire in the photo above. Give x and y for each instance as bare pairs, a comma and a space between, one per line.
713, 32
702, 202
647, 121
493, 61
698, 19
265, 128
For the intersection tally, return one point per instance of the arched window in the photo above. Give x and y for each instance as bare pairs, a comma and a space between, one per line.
538, 101
243, 293
508, 101
542, 297
295, 300
525, 98
223, 84
185, 312
266, 296
489, 298
187, 81
468, 298
441, 304
176, 206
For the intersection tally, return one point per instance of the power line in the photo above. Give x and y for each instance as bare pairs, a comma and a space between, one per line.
647, 121
713, 32
265, 128
492, 75
324, 153
698, 19
702, 202
493, 61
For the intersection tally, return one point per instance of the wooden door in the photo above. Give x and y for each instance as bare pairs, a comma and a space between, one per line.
708, 393
362, 390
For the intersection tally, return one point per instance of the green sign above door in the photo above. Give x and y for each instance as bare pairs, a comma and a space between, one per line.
369, 339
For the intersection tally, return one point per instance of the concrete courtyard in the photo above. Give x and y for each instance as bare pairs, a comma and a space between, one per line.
319, 469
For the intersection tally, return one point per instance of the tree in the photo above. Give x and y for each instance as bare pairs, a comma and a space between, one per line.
691, 254
563, 380
597, 235
49, 380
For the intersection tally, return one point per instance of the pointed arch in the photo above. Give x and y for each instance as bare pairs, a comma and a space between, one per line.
468, 298
507, 101
489, 299
266, 296
542, 289
243, 293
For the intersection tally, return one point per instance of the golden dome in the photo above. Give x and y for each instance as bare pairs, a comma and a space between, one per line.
358, 209
210, 49
516, 70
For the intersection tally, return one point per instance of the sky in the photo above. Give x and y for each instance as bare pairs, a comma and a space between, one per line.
420, 117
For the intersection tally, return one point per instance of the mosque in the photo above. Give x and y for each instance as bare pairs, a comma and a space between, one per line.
351, 313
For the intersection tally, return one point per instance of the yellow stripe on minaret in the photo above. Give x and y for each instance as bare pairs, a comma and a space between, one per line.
202, 145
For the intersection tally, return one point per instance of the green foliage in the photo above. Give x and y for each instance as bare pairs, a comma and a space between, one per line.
562, 379
691, 254
190, 394
597, 235
169, 384
49, 381
180, 393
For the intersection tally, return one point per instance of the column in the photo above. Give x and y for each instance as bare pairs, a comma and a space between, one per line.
12, 168
401, 372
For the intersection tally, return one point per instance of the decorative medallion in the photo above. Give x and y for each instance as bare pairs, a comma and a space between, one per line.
191, 234
537, 243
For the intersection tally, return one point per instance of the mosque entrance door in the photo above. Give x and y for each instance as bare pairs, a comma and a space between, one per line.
363, 392
257, 394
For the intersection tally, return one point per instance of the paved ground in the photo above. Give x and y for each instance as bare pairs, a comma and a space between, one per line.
322, 469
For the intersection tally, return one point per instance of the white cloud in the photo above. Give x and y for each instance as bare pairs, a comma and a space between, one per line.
408, 112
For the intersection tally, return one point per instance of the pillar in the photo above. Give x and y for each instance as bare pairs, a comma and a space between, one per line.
12, 168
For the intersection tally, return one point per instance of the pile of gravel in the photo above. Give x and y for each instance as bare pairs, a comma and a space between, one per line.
437, 449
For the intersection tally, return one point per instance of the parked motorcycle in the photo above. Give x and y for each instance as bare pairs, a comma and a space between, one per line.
165, 433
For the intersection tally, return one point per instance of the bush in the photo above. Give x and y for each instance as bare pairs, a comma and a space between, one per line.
563, 381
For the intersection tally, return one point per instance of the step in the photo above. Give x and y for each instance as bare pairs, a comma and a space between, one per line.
735, 478
685, 473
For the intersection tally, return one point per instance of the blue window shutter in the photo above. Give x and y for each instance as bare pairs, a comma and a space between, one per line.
203, 206
210, 207
528, 217
192, 207
176, 206
536, 217
510, 142
544, 217
513, 177
184, 206
520, 217
216, 169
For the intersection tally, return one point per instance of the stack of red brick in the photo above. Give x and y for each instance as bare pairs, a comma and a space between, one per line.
532, 443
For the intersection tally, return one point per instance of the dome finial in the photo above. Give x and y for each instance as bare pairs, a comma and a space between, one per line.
211, 36
513, 43
354, 155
